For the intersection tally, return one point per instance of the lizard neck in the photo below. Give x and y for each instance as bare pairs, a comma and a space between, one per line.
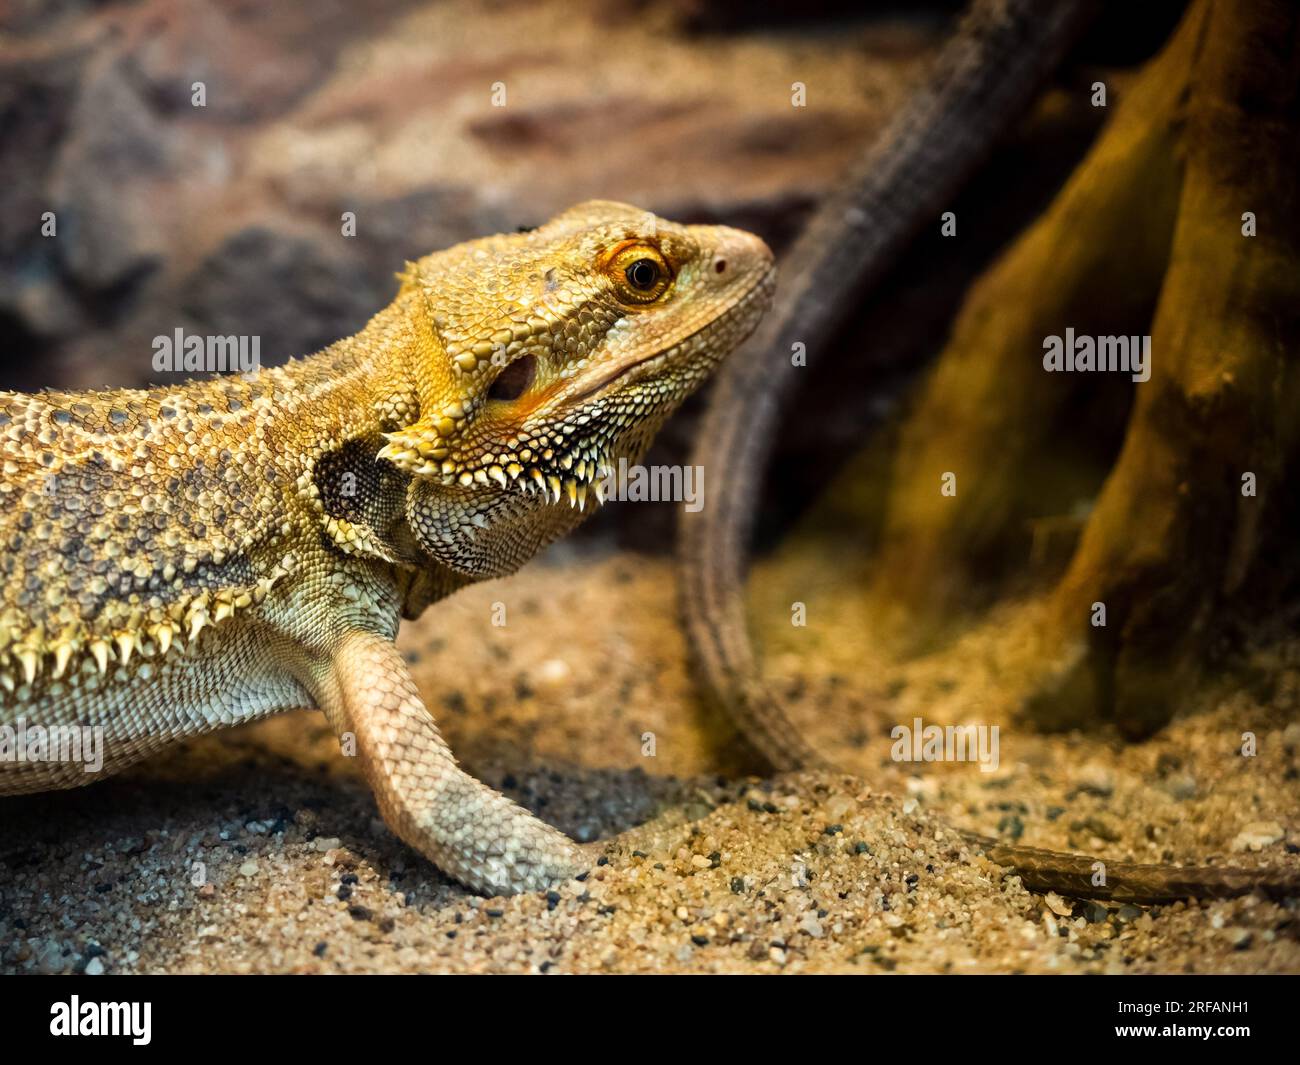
344, 399
364, 384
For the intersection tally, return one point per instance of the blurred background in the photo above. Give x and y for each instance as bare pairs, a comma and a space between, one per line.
226, 218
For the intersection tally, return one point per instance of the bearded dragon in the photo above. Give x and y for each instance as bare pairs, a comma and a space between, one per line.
187, 558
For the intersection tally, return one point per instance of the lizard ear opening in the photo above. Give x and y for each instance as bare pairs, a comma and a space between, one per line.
359, 499
513, 381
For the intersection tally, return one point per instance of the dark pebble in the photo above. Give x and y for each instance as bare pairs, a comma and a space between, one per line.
359, 913
700, 941
319, 949
1095, 912
552, 899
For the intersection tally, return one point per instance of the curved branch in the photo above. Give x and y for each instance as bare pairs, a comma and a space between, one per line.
984, 79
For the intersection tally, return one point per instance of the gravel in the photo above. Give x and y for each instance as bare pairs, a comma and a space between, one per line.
258, 850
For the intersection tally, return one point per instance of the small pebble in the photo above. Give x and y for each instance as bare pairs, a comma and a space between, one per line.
1257, 835
1094, 912
1097, 780
1058, 905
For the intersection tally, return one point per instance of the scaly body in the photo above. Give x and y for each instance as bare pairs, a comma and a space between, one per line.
183, 559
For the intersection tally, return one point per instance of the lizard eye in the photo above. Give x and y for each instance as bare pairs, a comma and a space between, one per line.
511, 382
642, 274
639, 274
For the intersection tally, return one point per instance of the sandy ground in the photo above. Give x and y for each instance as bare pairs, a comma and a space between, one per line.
259, 850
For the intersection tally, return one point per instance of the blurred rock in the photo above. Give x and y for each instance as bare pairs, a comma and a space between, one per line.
227, 217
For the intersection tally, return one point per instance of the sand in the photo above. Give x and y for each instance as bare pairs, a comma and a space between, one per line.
259, 850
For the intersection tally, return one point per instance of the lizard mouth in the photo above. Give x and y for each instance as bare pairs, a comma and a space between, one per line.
588, 426
611, 378
580, 459
571, 446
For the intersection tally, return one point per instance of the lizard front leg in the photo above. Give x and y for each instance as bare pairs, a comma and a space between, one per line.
470, 831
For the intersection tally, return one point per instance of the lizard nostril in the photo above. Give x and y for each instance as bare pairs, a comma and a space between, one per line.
720, 265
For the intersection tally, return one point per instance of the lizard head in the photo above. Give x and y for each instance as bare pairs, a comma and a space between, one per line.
553, 354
